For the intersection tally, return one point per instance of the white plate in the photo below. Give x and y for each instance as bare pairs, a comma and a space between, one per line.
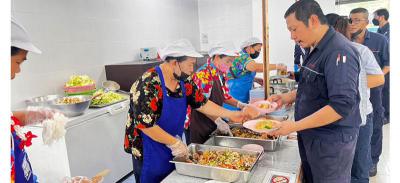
252, 125
272, 108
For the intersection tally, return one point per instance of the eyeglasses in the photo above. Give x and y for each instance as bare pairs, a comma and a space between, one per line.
356, 21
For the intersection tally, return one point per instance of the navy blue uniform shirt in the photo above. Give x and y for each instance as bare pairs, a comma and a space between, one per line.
379, 45
385, 30
329, 76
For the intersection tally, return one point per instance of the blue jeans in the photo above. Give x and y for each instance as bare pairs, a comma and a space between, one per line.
362, 158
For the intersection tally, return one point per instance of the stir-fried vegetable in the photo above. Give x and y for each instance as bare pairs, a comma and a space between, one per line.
246, 133
226, 159
79, 80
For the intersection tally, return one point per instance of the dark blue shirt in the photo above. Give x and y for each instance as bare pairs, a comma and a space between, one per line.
329, 76
385, 30
379, 45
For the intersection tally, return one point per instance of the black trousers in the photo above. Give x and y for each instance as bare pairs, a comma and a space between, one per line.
137, 168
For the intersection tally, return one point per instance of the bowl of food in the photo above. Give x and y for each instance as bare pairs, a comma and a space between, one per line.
264, 106
262, 125
71, 106
41, 101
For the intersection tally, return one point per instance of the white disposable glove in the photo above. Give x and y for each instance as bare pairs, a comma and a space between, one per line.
241, 105
179, 149
35, 115
223, 127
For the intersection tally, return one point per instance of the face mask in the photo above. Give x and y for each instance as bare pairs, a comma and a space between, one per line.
255, 55
375, 22
354, 35
223, 68
183, 75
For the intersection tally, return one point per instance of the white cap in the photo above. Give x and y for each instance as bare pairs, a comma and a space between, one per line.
178, 48
249, 42
223, 48
20, 38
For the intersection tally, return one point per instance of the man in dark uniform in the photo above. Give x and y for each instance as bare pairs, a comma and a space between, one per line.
381, 19
379, 45
327, 115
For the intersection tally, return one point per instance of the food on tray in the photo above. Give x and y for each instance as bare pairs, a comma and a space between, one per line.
279, 179
102, 98
246, 133
264, 125
225, 159
79, 80
69, 100
264, 106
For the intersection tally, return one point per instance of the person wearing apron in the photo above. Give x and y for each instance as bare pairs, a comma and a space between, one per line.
21, 169
327, 114
211, 77
242, 74
158, 104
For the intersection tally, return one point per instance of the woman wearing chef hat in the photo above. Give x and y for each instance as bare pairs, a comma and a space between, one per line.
21, 170
158, 104
243, 71
211, 78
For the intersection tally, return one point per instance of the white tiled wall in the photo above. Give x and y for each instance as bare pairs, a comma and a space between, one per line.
225, 20
81, 36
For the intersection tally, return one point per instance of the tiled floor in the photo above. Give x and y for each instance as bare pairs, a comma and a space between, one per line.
383, 175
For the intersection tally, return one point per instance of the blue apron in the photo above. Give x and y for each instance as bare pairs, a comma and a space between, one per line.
156, 156
23, 169
239, 88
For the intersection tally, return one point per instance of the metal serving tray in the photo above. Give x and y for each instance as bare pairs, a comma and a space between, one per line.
238, 142
125, 97
215, 173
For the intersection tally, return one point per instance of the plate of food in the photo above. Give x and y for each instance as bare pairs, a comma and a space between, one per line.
262, 125
264, 106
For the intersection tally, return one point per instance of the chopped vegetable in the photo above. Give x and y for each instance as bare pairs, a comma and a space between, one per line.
102, 98
79, 80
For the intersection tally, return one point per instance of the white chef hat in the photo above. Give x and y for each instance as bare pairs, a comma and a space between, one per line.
178, 48
223, 48
20, 38
249, 42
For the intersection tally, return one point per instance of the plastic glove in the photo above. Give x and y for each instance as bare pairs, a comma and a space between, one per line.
223, 127
77, 179
179, 149
35, 115
241, 105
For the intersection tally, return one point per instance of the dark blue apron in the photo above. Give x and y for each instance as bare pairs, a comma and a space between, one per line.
156, 156
23, 169
239, 88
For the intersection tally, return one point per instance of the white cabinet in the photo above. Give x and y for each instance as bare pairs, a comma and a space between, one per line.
93, 142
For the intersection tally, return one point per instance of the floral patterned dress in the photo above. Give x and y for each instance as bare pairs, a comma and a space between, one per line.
146, 106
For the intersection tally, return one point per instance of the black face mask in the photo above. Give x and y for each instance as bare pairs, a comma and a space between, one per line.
354, 35
255, 55
183, 75
375, 22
